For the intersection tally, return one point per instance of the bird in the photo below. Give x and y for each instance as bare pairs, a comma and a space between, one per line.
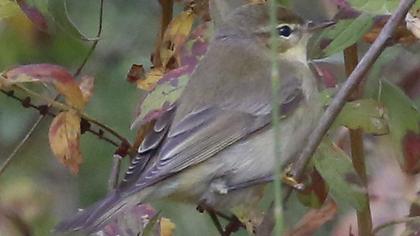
215, 145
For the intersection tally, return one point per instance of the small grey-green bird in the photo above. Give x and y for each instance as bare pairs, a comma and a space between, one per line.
215, 145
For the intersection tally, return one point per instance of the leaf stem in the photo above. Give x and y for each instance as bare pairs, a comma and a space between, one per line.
364, 216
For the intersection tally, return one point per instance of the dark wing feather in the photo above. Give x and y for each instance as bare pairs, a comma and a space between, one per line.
148, 148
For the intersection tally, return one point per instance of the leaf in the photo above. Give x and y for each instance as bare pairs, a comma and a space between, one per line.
402, 114
132, 221
166, 227
314, 219
315, 192
63, 81
342, 35
8, 8
377, 7
412, 228
175, 35
34, 15
170, 86
366, 114
58, 11
64, 138
411, 151
151, 79
337, 170
86, 85
160, 99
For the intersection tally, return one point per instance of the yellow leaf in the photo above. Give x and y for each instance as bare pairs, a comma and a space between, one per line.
64, 138
149, 83
166, 227
8, 8
175, 35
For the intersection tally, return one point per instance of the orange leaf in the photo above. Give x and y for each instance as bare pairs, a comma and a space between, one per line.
151, 79
86, 86
166, 227
64, 137
175, 35
57, 75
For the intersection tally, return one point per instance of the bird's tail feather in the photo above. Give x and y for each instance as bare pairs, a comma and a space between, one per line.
95, 217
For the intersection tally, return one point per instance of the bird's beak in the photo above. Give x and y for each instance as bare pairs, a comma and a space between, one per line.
312, 27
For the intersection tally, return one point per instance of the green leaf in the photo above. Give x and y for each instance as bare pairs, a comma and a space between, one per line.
58, 11
163, 95
343, 34
377, 7
8, 8
337, 170
402, 113
366, 114
148, 230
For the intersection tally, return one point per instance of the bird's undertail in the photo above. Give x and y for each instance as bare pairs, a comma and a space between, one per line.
94, 218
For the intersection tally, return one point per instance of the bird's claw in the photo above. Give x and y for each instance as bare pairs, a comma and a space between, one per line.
289, 178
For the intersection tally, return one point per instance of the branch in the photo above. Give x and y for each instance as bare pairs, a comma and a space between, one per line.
95, 43
364, 216
351, 83
403, 220
21, 143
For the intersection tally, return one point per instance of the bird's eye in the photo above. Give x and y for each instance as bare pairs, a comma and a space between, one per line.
284, 31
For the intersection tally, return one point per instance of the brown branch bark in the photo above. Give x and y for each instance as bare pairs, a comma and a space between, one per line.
364, 216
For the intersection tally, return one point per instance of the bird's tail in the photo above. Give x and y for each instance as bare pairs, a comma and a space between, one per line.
95, 217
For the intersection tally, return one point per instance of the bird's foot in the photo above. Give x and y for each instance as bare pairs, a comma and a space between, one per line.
289, 179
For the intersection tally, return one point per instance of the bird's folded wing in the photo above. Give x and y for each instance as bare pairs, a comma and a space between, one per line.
200, 135
205, 132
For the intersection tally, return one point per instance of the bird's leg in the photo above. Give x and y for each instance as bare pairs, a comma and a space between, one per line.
213, 215
234, 225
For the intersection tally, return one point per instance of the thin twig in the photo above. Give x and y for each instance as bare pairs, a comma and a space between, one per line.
21, 143
403, 220
95, 43
64, 107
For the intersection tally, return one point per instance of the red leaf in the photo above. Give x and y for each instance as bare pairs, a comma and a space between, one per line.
57, 75
34, 15
411, 148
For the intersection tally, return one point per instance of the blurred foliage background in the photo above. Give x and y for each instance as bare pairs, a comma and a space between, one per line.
41, 191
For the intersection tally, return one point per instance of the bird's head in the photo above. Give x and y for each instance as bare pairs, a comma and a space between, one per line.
292, 32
